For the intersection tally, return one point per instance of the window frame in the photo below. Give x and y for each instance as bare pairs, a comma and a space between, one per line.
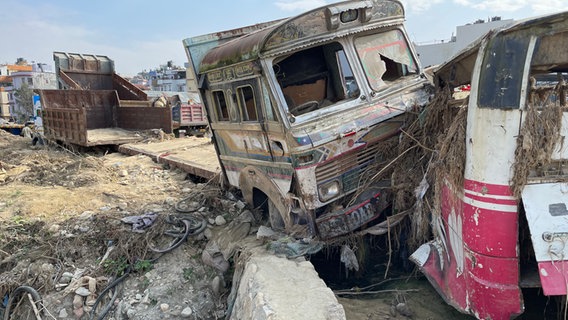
241, 103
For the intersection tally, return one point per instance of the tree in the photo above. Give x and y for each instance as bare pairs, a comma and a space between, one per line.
24, 101
21, 62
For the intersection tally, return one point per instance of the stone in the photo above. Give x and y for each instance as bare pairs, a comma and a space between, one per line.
216, 285
219, 220
186, 312
131, 313
164, 307
265, 233
86, 215
79, 312
65, 279
83, 292
63, 314
123, 173
54, 228
170, 201
240, 205
122, 205
207, 233
211, 221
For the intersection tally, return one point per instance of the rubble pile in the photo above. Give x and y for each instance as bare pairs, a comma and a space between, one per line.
71, 253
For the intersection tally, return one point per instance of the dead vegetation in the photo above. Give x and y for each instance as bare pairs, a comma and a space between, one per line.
540, 134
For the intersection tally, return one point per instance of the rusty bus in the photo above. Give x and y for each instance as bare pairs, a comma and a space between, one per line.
299, 107
504, 228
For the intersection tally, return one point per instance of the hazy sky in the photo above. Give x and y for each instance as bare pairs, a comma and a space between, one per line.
140, 35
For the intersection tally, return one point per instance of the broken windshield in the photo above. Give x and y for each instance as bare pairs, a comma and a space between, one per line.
385, 56
315, 78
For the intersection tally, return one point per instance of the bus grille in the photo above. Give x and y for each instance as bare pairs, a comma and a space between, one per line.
348, 167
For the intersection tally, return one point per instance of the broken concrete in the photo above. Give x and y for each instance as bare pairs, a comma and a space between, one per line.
273, 287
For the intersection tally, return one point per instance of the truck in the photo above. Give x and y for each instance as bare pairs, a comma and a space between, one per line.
498, 207
300, 109
95, 106
188, 113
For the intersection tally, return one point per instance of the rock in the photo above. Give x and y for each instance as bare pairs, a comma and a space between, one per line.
265, 233
122, 205
138, 297
105, 208
78, 313
240, 205
186, 190
215, 259
208, 233
403, 309
219, 220
216, 285
86, 215
83, 292
123, 173
65, 279
164, 307
170, 201
211, 221
186, 312
47, 268
63, 314
54, 228
131, 313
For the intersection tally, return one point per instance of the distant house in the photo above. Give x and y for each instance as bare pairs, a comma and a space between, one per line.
437, 52
36, 76
7, 86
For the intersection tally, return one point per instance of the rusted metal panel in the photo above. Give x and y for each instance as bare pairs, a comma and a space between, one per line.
66, 124
126, 90
83, 62
143, 118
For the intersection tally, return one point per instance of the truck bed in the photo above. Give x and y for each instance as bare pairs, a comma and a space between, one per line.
193, 155
105, 136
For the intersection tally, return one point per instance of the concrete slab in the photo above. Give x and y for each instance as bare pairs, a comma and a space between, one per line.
273, 287
193, 155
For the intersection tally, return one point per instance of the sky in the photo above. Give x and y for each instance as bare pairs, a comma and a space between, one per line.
142, 35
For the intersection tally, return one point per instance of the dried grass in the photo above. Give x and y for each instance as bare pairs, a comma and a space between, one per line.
434, 151
539, 136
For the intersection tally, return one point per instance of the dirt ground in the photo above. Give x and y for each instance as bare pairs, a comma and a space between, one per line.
61, 232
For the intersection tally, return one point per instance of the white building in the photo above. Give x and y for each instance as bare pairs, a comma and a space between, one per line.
40, 77
436, 53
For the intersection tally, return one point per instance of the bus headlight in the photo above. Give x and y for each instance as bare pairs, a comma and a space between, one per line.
329, 190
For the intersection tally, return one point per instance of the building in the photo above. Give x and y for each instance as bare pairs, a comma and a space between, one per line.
167, 78
436, 53
6, 87
37, 76
5, 98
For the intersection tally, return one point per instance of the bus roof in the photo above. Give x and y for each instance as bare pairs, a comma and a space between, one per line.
318, 25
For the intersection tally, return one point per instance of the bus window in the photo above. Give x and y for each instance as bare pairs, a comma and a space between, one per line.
220, 105
315, 78
247, 105
384, 56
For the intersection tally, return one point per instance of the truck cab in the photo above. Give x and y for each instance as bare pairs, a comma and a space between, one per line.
300, 111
